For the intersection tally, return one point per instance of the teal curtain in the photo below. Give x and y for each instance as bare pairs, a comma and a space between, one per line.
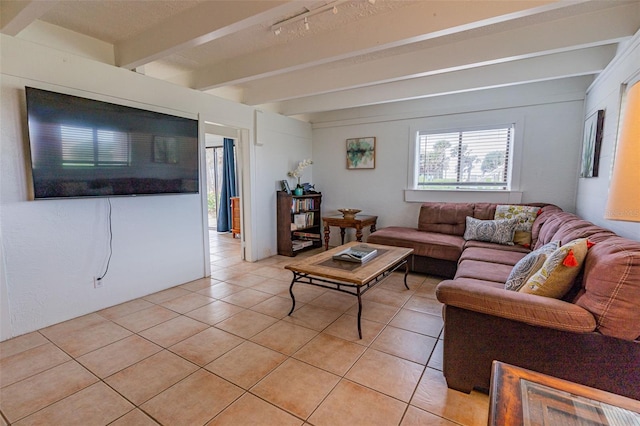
228, 189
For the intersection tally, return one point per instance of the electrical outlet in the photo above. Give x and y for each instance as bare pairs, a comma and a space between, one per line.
97, 283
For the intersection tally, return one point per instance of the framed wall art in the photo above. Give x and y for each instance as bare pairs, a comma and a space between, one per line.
165, 150
361, 153
591, 144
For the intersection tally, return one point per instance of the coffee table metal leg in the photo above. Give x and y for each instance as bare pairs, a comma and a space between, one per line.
406, 272
359, 313
293, 299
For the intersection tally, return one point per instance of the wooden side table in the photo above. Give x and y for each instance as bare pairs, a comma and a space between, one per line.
519, 396
358, 222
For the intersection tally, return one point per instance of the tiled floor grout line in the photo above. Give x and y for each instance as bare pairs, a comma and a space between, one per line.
245, 339
203, 368
342, 377
291, 356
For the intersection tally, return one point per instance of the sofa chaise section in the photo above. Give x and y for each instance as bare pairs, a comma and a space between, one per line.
588, 337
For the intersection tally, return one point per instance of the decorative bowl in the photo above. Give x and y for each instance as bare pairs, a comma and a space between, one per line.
349, 213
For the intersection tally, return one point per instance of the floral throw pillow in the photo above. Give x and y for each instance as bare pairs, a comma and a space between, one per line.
526, 215
556, 276
529, 265
493, 231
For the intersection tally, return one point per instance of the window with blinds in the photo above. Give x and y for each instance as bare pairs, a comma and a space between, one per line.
89, 147
466, 159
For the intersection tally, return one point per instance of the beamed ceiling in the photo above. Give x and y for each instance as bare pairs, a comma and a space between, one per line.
353, 53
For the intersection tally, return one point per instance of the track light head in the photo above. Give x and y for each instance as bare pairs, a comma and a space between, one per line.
277, 31
335, 10
306, 24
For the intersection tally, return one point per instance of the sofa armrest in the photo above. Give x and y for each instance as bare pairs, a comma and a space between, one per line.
527, 308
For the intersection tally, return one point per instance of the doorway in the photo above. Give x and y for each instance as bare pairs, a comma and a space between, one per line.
215, 170
214, 182
212, 171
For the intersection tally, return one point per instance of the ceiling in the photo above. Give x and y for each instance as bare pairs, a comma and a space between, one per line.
353, 53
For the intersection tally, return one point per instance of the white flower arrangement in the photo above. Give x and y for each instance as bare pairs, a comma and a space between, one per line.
298, 170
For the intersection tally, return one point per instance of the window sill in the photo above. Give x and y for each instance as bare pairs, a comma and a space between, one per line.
462, 196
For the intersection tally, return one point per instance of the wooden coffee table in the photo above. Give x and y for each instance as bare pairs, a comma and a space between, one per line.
348, 277
524, 397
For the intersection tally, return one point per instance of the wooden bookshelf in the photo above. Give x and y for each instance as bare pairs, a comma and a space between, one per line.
299, 223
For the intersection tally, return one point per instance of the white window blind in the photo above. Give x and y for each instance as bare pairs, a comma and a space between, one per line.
473, 159
84, 146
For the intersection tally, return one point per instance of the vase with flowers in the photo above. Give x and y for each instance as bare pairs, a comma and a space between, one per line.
297, 173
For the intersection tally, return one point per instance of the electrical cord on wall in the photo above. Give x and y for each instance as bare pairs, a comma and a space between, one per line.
110, 243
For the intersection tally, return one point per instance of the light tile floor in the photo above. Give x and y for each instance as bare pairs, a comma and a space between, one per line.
222, 351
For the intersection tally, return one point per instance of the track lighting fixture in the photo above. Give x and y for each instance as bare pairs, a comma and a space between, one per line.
304, 16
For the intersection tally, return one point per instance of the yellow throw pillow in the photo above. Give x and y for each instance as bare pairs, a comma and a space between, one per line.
559, 271
526, 215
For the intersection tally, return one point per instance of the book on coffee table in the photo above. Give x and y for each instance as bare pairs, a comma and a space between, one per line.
357, 254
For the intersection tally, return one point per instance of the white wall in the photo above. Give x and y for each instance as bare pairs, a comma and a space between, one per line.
605, 93
282, 147
550, 114
52, 249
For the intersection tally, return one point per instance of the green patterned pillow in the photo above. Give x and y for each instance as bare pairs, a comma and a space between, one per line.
493, 231
529, 265
526, 215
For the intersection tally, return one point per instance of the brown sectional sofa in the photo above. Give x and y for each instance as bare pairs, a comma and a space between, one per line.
591, 336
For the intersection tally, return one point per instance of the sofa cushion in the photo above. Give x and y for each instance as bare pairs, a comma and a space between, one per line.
503, 248
484, 270
529, 265
493, 299
429, 244
493, 231
484, 211
492, 254
557, 275
567, 227
546, 212
526, 215
611, 287
445, 218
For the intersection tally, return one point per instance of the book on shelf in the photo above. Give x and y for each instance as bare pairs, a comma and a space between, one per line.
358, 254
303, 220
302, 204
307, 235
299, 220
300, 244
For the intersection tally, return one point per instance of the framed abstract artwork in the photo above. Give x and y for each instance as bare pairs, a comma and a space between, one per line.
165, 150
361, 153
591, 144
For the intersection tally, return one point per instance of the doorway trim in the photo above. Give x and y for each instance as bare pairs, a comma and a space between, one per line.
243, 148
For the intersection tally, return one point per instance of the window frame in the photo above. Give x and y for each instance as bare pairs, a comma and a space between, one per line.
470, 121
462, 184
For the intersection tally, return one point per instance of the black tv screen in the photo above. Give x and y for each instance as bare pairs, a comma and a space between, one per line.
86, 148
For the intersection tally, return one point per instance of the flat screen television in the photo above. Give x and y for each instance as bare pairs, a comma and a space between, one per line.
87, 148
